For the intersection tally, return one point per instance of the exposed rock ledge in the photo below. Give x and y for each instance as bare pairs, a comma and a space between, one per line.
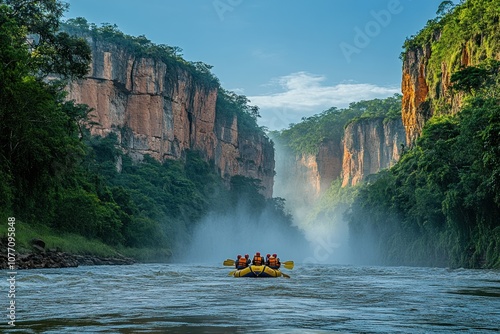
55, 259
41, 258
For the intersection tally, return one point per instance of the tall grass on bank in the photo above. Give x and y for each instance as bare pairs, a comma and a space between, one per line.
75, 244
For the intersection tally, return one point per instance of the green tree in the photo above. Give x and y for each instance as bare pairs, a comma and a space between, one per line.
51, 51
38, 129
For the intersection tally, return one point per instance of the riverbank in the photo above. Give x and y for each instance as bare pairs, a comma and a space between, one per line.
38, 246
40, 257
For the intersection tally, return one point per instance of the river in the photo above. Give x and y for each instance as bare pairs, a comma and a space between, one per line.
187, 298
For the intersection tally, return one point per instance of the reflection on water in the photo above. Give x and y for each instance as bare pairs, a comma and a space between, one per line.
174, 298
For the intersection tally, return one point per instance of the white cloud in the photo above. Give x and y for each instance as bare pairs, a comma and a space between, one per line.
303, 94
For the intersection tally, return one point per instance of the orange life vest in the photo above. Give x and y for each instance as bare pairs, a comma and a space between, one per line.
273, 262
242, 262
258, 260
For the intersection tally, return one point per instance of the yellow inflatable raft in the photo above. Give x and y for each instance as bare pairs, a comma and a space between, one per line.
257, 271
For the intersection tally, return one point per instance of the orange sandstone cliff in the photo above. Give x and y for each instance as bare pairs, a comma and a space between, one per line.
308, 175
162, 110
370, 145
415, 90
426, 78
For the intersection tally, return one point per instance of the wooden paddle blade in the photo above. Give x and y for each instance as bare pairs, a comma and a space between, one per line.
228, 262
285, 275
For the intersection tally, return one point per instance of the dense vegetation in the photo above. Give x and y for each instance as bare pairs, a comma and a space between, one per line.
440, 204
307, 136
57, 180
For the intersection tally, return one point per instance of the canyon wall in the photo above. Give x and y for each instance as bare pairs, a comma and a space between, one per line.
368, 146
426, 78
415, 92
161, 110
371, 145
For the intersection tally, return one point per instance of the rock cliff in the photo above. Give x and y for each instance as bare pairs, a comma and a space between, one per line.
415, 92
370, 145
162, 110
435, 54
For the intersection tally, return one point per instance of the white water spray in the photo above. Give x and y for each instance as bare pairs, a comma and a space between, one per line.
327, 233
222, 236
312, 240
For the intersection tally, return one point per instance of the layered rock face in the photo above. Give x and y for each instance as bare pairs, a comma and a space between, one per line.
161, 110
418, 94
368, 146
415, 92
371, 145
319, 170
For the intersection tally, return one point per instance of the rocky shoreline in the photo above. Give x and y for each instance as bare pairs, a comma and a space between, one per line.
53, 258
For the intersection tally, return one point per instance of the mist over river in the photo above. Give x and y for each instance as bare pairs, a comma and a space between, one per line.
202, 298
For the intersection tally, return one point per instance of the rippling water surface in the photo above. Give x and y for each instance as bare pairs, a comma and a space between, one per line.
176, 298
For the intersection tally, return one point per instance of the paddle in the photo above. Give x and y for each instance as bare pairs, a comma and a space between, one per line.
285, 275
288, 265
228, 263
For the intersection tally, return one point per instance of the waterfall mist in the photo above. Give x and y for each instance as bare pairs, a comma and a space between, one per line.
220, 236
319, 234
327, 232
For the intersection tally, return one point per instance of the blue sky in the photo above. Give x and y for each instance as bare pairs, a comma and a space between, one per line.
292, 58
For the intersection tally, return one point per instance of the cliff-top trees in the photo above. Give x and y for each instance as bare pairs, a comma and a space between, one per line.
143, 47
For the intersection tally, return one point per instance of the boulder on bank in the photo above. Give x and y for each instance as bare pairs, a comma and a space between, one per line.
38, 244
